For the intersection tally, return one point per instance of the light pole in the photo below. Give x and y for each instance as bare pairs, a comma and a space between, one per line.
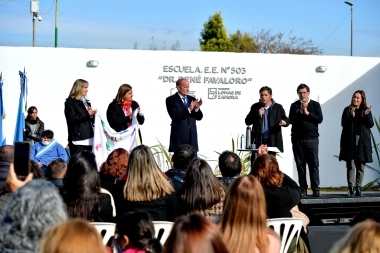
34, 9
56, 24
352, 13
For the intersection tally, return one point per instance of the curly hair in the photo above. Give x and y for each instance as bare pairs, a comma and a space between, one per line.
267, 171
116, 163
31, 211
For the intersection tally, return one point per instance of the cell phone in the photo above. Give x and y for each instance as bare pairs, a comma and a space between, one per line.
22, 158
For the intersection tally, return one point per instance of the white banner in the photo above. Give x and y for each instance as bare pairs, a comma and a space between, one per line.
106, 139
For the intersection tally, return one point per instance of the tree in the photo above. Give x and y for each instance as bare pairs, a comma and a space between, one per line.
176, 46
214, 35
242, 43
276, 44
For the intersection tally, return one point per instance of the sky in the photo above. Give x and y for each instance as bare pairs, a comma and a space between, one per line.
123, 24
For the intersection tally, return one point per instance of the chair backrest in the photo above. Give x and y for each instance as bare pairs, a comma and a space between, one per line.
162, 230
287, 229
106, 229
102, 190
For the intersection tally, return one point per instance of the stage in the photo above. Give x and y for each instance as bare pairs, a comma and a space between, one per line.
336, 208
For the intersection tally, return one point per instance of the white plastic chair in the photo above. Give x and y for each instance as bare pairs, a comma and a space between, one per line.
107, 228
162, 230
102, 190
287, 229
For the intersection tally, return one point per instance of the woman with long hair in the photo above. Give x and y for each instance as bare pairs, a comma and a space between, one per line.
201, 191
73, 236
243, 222
281, 192
147, 188
113, 168
120, 110
195, 233
355, 141
81, 190
33, 126
79, 118
135, 234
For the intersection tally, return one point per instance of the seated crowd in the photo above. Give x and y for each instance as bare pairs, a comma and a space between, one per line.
211, 214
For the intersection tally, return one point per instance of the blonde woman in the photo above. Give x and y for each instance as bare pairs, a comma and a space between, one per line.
147, 188
73, 236
363, 237
79, 118
243, 222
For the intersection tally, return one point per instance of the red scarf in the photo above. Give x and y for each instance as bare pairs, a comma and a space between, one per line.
127, 110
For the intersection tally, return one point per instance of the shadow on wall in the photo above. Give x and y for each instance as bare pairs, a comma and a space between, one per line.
333, 172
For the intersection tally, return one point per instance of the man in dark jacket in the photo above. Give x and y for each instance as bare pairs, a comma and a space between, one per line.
181, 159
305, 115
267, 118
184, 110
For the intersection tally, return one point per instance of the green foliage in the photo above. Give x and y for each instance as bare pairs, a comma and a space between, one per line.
242, 42
214, 35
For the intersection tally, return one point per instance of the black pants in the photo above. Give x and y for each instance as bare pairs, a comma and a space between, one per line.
306, 152
78, 148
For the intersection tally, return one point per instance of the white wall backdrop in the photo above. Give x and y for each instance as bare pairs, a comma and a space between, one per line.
52, 71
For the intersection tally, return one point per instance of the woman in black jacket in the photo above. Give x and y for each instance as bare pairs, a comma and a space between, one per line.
120, 110
33, 126
355, 141
79, 118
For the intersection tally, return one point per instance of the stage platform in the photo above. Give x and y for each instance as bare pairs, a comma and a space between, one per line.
336, 208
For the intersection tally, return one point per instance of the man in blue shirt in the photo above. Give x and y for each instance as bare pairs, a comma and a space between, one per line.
47, 150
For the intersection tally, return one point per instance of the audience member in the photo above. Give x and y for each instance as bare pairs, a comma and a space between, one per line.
6, 157
47, 150
72, 236
281, 192
230, 167
363, 237
36, 170
31, 211
147, 188
81, 190
135, 233
33, 126
113, 168
194, 234
201, 191
181, 159
56, 172
243, 222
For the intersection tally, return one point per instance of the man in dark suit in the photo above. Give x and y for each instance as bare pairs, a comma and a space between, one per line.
184, 110
267, 118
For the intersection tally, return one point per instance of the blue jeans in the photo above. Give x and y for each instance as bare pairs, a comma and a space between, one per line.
306, 152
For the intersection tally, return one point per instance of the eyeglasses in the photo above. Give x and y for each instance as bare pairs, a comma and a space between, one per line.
301, 93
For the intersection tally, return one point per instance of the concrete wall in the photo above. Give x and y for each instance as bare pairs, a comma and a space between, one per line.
52, 71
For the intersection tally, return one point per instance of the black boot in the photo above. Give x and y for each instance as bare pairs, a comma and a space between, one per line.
359, 191
350, 191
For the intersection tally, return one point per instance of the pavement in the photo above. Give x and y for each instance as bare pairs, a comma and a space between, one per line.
322, 238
